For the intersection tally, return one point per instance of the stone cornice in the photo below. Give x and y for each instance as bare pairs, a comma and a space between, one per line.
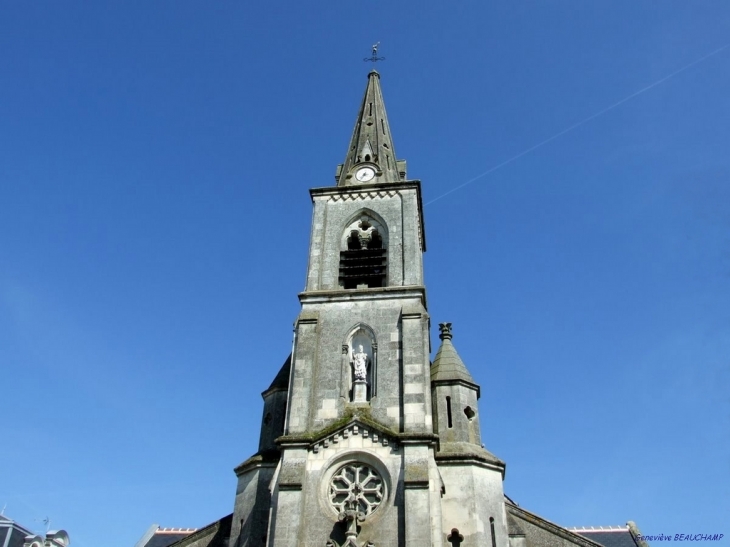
273, 390
417, 438
354, 417
261, 459
470, 459
460, 453
457, 381
354, 190
350, 295
349, 419
373, 190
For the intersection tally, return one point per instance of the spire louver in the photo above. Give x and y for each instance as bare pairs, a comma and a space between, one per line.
371, 143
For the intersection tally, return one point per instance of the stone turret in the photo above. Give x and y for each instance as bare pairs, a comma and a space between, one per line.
472, 502
272, 422
454, 393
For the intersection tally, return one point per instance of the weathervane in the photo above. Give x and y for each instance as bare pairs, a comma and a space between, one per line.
374, 58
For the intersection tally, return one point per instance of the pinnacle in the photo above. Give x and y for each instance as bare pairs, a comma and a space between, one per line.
447, 365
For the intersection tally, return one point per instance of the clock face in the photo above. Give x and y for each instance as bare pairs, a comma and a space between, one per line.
365, 174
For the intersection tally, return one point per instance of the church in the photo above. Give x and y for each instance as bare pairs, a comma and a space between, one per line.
366, 442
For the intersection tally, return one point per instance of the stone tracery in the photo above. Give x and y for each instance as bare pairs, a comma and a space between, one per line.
358, 484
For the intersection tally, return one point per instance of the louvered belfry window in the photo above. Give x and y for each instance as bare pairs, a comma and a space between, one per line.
363, 264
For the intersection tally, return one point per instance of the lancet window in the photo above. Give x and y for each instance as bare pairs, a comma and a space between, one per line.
364, 258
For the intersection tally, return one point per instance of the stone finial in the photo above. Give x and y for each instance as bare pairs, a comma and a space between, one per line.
351, 515
445, 331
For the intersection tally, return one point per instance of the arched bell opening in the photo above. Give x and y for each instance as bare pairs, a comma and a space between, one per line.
364, 253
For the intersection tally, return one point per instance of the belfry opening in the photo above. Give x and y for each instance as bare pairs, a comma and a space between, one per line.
364, 260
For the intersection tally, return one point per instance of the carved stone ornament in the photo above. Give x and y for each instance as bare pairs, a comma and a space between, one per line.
351, 515
365, 232
445, 331
360, 364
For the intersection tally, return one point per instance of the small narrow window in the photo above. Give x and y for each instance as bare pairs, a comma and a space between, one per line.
371, 109
491, 526
448, 411
382, 124
469, 413
387, 159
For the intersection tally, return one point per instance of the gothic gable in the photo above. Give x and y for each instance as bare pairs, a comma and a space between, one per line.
356, 435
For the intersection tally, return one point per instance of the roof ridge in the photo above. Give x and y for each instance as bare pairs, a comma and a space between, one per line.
623, 528
545, 524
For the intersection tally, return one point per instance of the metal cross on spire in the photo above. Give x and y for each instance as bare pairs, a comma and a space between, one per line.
374, 57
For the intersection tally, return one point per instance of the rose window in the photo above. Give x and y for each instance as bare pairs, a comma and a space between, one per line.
358, 483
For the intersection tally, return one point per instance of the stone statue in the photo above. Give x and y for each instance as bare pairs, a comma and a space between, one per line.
360, 364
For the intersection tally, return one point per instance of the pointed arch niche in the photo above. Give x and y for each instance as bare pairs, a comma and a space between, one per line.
364, 252
359, 336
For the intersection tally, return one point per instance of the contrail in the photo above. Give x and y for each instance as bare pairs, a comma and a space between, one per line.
578, 124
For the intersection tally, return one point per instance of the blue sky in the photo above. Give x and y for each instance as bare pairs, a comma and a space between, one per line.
155, 161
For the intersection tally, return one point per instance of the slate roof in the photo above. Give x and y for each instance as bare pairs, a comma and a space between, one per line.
372, 141
540, 532
163, 539
281, 381
609, 537
11, 533
514, 526
215, 534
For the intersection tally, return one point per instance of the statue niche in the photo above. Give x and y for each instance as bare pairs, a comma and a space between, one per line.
359, 365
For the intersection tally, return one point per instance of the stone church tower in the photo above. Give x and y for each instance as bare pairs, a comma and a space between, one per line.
364, 441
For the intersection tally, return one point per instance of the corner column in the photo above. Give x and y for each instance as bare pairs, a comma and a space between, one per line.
286, 507
417, 495
303, 363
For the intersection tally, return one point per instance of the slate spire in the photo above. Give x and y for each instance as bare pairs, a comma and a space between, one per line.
371, 143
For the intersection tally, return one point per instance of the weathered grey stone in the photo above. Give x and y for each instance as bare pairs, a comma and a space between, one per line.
363, 442
351, 419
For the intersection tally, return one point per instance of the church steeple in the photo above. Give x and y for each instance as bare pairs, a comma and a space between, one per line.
363, 441
371, 145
